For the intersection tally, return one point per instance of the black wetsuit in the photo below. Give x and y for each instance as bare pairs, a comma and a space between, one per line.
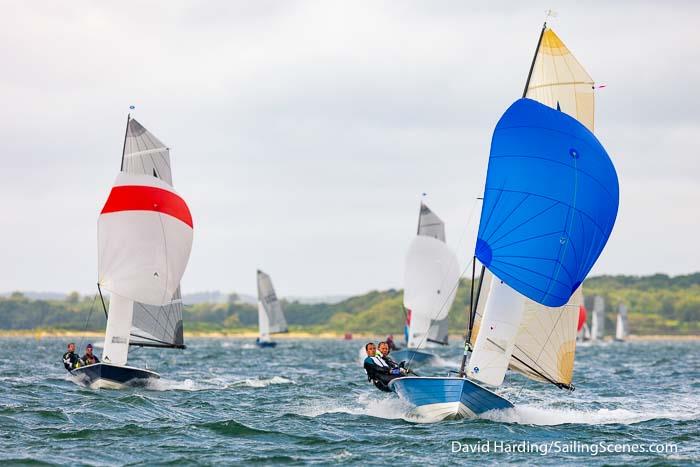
70, 359
380, 375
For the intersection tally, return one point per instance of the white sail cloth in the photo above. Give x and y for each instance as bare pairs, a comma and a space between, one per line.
271, 318
144, 239
430, 284
545, 344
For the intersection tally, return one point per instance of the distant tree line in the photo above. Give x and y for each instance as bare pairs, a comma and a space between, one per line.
657, 304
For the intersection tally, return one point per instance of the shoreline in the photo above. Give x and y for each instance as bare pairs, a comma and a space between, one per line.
40, 334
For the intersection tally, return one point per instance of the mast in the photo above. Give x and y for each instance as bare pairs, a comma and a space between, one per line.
534, 59
470, 323
126, 132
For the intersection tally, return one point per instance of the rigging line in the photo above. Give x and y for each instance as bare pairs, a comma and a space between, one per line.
92, 307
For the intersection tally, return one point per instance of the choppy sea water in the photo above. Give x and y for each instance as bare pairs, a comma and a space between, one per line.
225, 401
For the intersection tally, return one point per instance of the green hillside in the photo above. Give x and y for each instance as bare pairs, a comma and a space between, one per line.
658, 304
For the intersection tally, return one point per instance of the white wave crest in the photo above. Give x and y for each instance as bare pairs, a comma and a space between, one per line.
262, 382
534, 415
373, 405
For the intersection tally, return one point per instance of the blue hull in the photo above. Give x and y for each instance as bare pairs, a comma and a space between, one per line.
441, 398
106, 375
414, 358
266, 344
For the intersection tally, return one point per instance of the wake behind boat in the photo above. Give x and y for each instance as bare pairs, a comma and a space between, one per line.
549, 206
144, 236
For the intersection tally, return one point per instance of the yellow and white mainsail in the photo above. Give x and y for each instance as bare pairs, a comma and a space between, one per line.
558, 80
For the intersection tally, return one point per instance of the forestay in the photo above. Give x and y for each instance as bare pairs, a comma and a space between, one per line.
270, 316
559, 81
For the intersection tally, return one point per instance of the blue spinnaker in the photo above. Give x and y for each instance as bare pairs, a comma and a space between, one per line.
550, 202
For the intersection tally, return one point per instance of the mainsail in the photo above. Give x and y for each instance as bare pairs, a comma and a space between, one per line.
271, 319
550, 203
559, 81
145, 154
430, 282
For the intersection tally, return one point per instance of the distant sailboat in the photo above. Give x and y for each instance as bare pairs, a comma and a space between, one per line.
271, 318
145, 236
598, 319
584, 332
549, 206
430, 285
622, 326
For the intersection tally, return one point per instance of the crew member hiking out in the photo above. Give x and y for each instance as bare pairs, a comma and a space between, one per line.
379, 372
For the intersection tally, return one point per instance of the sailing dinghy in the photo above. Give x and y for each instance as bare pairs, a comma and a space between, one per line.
550, 203
432, 272
271, 318
145, 234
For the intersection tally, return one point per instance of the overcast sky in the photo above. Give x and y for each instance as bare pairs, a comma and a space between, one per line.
302, 134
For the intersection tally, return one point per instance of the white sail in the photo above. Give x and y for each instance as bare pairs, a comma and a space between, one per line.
144, 240
545, 343
495, 341
598, 318
145, 154
429, 224
559, 81
430, 284
271, 318
117, 333
621, 328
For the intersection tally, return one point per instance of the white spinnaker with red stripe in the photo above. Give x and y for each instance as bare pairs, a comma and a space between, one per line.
144, 242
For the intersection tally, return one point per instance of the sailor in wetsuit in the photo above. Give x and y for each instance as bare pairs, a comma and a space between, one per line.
89, 358
380, 371
70, 358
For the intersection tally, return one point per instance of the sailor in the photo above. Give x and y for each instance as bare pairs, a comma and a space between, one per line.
390, 341
379, 372
383, 353
89, 358
70, 358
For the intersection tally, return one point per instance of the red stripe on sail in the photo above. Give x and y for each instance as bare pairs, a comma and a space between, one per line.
147, 198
